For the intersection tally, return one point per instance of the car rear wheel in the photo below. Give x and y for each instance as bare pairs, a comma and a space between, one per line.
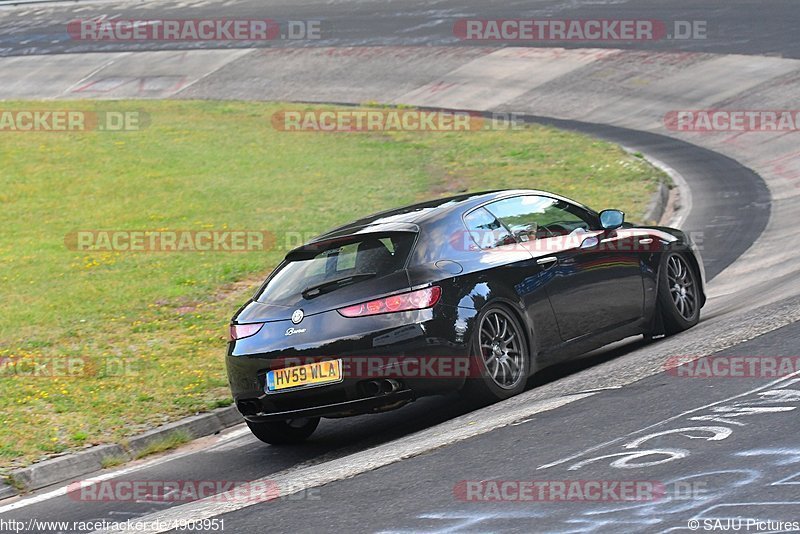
284, 432
678, 293
499, 360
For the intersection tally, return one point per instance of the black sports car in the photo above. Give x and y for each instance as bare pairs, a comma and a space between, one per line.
474, 292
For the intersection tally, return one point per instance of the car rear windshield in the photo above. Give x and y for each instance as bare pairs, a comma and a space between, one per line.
325, 267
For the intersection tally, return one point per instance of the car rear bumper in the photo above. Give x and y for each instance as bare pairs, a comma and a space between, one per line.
422, 353
253, 410
381, 389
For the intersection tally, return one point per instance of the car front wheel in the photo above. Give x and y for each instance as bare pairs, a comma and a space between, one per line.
678, 294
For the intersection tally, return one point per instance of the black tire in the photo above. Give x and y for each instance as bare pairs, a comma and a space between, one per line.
284, 432
499, 369
679, 297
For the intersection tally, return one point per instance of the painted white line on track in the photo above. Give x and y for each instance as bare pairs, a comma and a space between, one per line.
669, 420
93, 73
232, 434
684, 206
295, 480
231, 441
63, 489
234, 57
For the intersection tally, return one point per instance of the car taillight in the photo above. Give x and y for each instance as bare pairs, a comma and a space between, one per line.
239, 331
415, 300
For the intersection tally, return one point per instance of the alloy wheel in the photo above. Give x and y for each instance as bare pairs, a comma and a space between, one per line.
682, 287
502, 349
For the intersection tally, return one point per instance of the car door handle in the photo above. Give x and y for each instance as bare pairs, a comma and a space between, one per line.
645, 241
547, 262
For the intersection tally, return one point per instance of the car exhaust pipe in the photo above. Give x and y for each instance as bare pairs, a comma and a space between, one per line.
390, 386
373, 388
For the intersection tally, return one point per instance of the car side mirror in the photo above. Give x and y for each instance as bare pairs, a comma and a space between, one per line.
611, 219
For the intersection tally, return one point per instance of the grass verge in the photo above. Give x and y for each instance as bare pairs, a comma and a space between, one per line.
171, 441
145, 332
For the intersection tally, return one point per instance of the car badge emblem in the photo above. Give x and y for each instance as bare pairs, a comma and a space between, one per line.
293, 331
297, 316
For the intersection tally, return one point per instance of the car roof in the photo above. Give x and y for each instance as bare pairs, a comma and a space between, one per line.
410, 218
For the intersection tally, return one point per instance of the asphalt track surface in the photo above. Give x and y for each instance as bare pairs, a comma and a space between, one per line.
753, 473
757, 463
733, 26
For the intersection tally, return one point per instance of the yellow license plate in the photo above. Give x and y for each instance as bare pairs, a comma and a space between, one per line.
312, 374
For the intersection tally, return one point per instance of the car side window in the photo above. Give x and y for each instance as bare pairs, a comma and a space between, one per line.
485, 230
538, 217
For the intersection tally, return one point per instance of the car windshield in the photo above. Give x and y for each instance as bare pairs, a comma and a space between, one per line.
342, 262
